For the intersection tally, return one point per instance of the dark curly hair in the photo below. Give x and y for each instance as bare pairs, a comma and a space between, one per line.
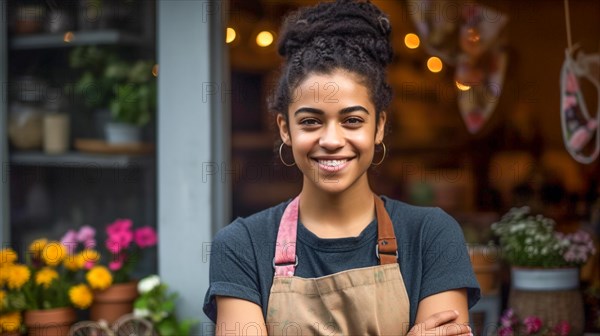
345, 34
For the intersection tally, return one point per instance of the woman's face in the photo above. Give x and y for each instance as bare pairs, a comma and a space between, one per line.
332, 130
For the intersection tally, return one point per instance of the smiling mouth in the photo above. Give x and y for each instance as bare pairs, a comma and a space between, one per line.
332, 165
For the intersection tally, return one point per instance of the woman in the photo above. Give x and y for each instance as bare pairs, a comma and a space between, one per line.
338, 259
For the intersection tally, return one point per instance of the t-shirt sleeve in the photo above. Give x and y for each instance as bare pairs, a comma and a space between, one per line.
233, 268
446, 262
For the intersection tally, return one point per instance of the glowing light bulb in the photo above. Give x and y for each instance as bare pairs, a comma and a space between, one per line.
412, 41
231, 35
434, 64
264, 38
462, 87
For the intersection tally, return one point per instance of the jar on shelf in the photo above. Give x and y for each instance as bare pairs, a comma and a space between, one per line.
25, 126
57, 127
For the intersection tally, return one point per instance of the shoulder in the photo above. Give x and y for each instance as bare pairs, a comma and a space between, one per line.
412, 215
423, 223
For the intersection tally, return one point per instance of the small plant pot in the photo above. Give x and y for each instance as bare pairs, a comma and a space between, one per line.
121, 133
552, 294
533, 279
114, 302
49, 322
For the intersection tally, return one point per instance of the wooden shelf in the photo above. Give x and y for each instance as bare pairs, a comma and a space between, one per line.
79, 160
41, 41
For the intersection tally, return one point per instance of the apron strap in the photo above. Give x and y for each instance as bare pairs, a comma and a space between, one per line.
387, 247
285, 260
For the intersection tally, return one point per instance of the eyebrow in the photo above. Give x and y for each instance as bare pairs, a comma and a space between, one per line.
345, 110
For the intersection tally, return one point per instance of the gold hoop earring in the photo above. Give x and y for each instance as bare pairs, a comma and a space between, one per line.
383, 157
281, 157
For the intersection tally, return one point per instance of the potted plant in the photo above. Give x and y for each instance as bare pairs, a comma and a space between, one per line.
113, 284
544, 266
157, 305
127, 89
46, 287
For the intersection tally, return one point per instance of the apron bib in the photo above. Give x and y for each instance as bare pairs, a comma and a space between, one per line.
361, 301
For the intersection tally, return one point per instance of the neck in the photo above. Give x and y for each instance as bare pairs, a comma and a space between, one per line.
331, 215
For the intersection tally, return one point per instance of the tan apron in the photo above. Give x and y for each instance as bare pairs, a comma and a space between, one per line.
362, 301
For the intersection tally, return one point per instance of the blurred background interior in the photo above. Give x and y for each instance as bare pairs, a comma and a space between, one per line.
67, 167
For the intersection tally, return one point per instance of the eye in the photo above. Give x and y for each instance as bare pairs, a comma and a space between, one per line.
309, 122
353, 121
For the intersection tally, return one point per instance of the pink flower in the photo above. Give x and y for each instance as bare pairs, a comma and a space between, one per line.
508, 319
505, 331
118, 226
89, 265
70, 241
119, 241
572, 84
90, 244
532, 324
563, 328
86, 233
116, 265
145, 237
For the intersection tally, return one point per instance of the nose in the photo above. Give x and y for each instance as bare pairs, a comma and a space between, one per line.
332, 137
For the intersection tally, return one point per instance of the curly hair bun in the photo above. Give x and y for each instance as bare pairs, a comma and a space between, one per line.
343, 24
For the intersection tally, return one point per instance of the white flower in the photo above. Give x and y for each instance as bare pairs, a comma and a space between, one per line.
148, 283
141, 312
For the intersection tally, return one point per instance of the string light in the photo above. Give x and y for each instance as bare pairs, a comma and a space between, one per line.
231, 35
412, 41
434, 64
264, 38
462, 87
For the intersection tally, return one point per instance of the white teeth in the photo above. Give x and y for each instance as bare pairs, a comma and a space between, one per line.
332, 163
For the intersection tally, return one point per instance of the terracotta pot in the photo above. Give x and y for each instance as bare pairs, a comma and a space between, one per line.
49, 322
114, 302
486, 267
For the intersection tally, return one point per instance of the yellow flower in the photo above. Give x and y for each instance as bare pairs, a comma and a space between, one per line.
7, 256
99, 277
10, 322
17, 276
37, 246
74, 262
45, 276
81, 296
89, 255
2, 298
3, 274
54, 253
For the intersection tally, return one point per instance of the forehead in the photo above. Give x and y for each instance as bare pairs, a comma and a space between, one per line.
331, 87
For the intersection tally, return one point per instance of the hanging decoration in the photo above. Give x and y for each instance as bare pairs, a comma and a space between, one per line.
578, 126
472, 41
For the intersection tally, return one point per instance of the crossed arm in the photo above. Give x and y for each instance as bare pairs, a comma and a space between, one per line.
440, 314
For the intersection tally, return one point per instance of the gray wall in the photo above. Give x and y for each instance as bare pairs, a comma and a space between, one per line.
4, 216
193, 125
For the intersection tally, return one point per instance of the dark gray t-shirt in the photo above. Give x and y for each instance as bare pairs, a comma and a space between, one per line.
432, 252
